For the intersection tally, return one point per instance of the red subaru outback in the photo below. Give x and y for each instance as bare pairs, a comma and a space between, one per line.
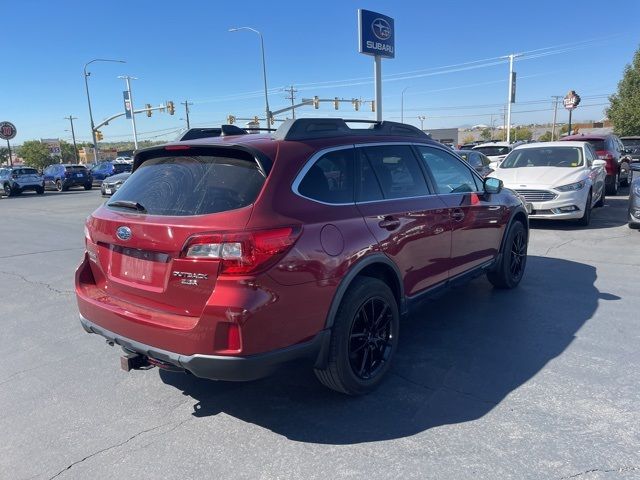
226, 257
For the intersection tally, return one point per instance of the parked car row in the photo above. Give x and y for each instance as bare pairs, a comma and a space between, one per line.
61, 177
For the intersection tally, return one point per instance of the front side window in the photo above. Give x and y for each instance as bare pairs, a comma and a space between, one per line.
330, 179
397, 171
450, 175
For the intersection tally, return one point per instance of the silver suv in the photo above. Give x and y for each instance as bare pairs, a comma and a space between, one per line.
15, 180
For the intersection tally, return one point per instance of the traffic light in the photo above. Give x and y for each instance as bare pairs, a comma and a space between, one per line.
99, 135
171, 108
373, 105
231, 119
316, 102
148, 107
356, 104
336, 103
256, 119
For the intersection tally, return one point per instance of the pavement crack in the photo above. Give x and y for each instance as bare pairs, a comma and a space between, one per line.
553, 247
32, 282
600, 470
111, 447
40, 253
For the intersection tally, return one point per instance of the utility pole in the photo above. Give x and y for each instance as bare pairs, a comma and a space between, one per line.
128, 79
291, 97
556, 99
186, 109
73, 135
491, 125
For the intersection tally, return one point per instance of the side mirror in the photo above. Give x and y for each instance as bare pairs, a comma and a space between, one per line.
635, 166
493, 185
599, 163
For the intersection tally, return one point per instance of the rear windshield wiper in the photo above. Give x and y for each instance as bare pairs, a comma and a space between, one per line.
128, 204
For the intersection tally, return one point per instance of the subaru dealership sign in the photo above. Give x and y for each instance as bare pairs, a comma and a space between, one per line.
376, 34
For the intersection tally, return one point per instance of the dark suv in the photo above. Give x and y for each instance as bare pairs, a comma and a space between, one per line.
62, 177
610, 149
107, 169
226, 257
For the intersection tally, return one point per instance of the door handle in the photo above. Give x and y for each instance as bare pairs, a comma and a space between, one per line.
457, 214
389, 223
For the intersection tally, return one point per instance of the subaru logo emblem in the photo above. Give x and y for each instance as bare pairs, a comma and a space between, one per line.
381, 28
123, 233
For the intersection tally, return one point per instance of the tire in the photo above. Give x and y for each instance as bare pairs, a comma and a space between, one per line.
612, 189
361, 349
600, 202
586, 216
88, 186
59, 186
40, 190
514, 252
8, 191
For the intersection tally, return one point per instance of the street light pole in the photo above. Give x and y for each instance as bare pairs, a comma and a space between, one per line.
86, 86
509, 95
555, 98
128, 79
73, 135
264, 70
422, 118
402, 104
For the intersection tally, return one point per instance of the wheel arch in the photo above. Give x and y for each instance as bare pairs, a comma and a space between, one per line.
376, 265
519, 215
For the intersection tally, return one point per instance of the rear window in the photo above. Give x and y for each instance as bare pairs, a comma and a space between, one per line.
183, 185
122, 167
494, 150
76, 168
26, 171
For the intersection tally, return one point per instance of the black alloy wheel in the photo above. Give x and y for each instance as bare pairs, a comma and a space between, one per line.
59, 186
586, 216
370, 338
7, 190
518, 255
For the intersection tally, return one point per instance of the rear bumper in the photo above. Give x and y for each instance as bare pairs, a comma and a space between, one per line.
218, 367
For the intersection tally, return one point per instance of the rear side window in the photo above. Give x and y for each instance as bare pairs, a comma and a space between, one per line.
198, 184
330, 179
397, 170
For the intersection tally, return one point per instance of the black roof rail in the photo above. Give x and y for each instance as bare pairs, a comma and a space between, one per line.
312, 128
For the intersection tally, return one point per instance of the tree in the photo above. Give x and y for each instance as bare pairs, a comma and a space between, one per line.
36, 154
485, 134
518, 133
624, 105
4, 156
468, 138
68, 155
545, 137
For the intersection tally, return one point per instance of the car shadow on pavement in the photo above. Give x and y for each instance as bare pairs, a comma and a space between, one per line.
459, 357
613, 214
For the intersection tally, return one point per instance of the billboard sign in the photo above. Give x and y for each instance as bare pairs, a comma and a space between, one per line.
53, 144
7, 130
376, 34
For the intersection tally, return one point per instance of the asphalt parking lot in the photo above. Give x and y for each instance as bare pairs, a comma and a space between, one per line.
539, 382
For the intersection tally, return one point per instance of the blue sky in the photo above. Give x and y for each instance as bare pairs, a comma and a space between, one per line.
183, 50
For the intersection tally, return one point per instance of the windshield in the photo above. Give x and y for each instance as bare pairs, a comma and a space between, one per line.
184, 185
564, 157
494, 150
632, 144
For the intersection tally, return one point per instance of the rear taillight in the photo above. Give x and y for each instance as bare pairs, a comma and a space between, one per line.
608, 157
243, 252
605, 155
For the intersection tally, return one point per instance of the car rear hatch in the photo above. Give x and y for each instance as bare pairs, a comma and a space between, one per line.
76, 172
138, 241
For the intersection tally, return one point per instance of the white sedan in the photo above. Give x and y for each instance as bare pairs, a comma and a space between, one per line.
558, 180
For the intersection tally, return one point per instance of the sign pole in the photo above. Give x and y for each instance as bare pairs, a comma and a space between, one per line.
9, 148
377, 71
570, 112
509, 99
